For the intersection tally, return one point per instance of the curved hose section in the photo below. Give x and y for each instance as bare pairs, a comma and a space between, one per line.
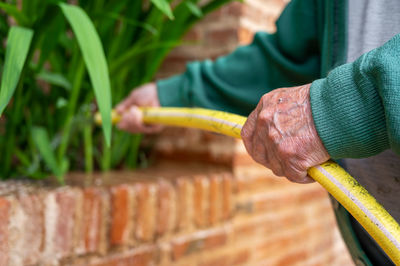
355, 198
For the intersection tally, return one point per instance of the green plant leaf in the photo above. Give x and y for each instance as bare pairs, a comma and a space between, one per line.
61, 102
93, 55
15, 13
55, 79
116, 16
194, 9
164, 7
51, 34
42, 143
18, 43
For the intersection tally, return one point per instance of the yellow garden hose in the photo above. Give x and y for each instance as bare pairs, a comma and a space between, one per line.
355, 198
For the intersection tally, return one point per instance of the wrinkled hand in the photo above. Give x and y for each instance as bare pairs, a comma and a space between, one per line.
280, 134
131, 116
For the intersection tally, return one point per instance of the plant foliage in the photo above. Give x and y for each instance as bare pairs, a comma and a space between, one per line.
18, 43
62, 61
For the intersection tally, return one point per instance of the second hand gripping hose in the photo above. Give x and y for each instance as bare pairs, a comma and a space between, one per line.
343, 187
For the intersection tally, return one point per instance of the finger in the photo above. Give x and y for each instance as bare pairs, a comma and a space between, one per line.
247, 131
259, 154
125, 104
131, 120
249, 127
302, 180
276, 165
297, 175
308, 179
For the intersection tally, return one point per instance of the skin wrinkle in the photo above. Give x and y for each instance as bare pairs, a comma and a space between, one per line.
282, 128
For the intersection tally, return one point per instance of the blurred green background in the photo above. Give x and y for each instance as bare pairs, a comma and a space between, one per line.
60, 62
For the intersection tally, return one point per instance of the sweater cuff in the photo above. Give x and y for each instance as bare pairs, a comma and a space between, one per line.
169, 91
348, 114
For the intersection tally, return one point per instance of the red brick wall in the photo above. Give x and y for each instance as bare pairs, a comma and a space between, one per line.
170, 214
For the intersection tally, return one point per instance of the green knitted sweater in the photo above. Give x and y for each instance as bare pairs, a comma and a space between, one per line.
355, 106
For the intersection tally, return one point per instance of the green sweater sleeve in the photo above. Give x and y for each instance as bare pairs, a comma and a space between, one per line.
236, 82
356, 108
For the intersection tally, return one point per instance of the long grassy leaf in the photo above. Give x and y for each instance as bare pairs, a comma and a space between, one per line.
134, 51
164, 7
42, 142
55, 79
50, 38
18, 43
194, 9
93, 55
116, 16
13, 11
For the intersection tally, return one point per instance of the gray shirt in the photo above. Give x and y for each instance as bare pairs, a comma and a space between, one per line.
371, 23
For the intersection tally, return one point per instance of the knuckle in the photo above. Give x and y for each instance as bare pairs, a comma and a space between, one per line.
274, 136
265, 98
302, 165
294, 175
264, 116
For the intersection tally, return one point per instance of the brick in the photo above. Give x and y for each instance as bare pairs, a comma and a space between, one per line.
240, 257
31, 238
215, 239
91, 217
142, 256
193, 145
146, 211
299, 256
291, 196
201, 240
122, 211
281, 244
201, 203
254, 182
166, 204
184, 204
275, 201
181, 247
95, 210
215, 199
221, 36
227, 196
315, 193
193, 35
164, 252
241, 158
78, 230
220, 261
214, 16
66, 200
229, 257
4, 220
268, 224
234, 9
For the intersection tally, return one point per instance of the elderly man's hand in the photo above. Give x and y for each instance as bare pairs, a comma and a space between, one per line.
131, 116
280, 134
